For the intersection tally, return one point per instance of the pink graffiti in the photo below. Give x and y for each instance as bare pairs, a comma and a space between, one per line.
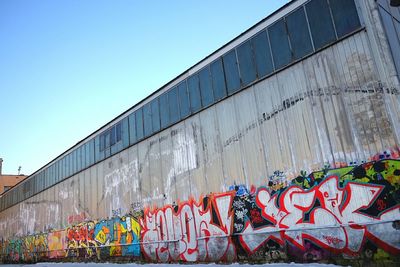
337, 224
191, 233
77, 218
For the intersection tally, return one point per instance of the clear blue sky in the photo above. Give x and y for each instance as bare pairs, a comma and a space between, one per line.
67, 67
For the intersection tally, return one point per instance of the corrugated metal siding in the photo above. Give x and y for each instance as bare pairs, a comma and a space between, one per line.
332, 108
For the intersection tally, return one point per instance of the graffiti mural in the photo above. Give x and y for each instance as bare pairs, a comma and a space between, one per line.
56, 242
338, 215
118, 237
190, 231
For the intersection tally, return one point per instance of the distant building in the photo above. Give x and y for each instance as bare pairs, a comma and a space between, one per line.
8, 180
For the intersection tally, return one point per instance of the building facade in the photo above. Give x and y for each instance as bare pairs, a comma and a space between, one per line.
283, 145
7, 181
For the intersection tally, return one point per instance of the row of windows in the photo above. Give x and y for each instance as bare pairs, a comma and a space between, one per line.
305, 30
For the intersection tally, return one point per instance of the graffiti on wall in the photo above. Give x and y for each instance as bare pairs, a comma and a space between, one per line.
352, 212
118, 236
190, 231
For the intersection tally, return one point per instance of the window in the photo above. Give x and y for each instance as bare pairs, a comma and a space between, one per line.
173, 105
194, 93
298, 33
246, 65
155, 114
183, 99
218, 79
99, 151
105, 142
262, 54
6, 188
321, 25
91, 152
73, 163
345, 16
57, 171
207, 97
231, 72
164, 110
116, 137
132, 128
84, 154
148, 125
392, 27
78, 159
279, 44
115, 134
139, 124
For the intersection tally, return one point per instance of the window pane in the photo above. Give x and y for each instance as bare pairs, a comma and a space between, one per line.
148, 127
262, 54
298, 33
132, 129
164, 110
79, 159
218, 79
139, 123
231, 72
279, 44
390, 26
173, 105
87, 155
118, 132
194, 93
73, 163
183, 99
91, 152
321, 25
69, 166
107, 140
246, 65
206, 93
155, 115
345, 16
124, 132
99, 154
113, 137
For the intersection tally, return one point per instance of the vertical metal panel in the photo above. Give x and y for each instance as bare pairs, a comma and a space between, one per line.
87, 191
290, 117
195, 156
167, 166
386, 106
94, 195
144, 175
82, 192
229, 141
57, 199
52, 210
157, 181
273, 134
101, 208
356, 100
345, 83
111, 190
249, 138
180, 161
126, 182
134, 193
211, 146
322, 88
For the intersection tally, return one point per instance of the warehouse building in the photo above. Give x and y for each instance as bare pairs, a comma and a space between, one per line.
305, 103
